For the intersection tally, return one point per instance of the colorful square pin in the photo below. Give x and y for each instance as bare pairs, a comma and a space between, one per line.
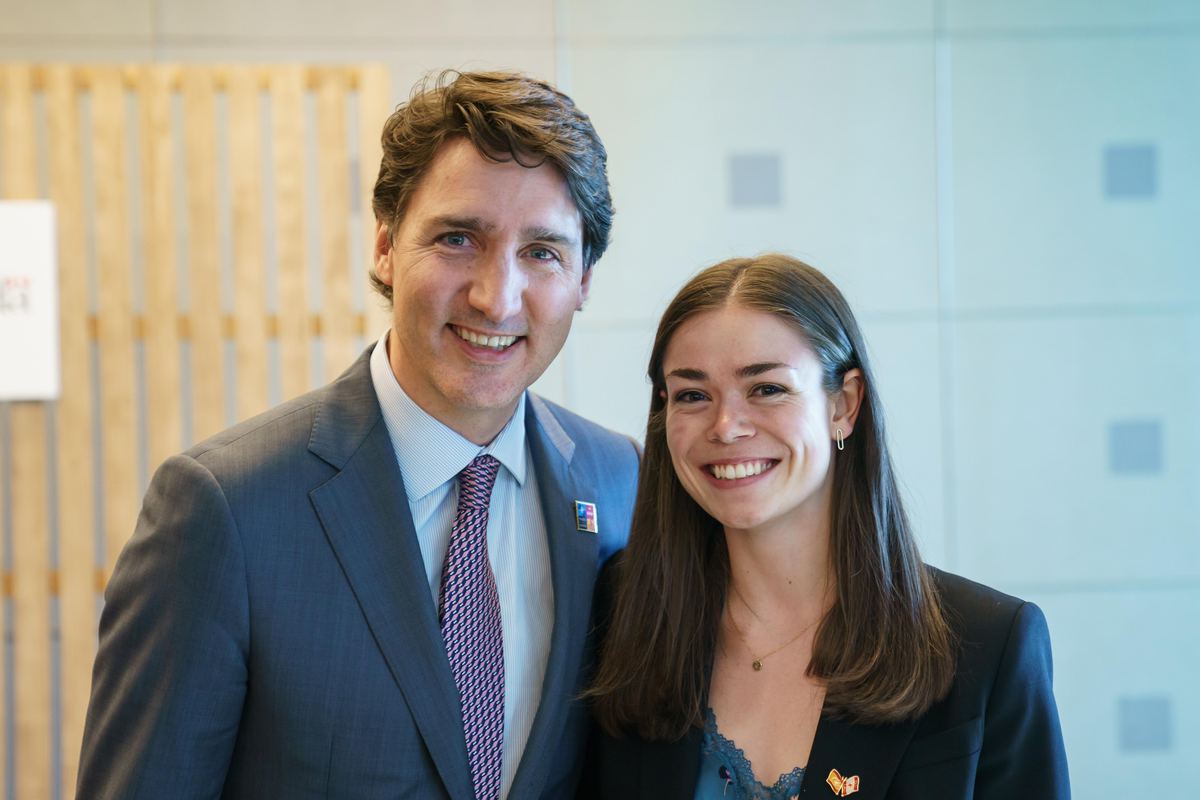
585, 517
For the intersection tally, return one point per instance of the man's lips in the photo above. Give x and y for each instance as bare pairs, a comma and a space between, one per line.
497, 342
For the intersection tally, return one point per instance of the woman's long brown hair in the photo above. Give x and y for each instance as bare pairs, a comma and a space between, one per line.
884, 650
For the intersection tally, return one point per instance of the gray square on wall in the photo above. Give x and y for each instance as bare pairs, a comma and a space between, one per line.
1135, 447
1144, 723
755, 180
1130, 171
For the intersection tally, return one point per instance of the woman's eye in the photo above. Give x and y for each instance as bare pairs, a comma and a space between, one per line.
769, 389
689, 396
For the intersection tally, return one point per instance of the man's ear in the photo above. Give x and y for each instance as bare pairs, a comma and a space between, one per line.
383, 252
585, 286
848, 401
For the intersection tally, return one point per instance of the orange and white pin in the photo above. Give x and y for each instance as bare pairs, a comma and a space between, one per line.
842, 786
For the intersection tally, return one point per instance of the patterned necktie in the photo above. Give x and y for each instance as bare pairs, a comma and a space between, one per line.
470, 615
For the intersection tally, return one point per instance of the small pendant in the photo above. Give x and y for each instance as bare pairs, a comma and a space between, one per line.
757, 665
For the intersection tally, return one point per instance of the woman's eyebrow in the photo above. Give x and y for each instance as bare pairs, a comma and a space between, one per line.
748, 371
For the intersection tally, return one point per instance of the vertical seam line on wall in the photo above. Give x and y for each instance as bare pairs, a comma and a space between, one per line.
944, 215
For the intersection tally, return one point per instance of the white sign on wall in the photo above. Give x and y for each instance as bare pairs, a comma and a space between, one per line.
29, 358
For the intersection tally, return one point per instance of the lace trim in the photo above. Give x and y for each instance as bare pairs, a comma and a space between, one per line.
743, 778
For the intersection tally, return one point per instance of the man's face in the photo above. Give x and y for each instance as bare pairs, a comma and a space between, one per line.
486, 270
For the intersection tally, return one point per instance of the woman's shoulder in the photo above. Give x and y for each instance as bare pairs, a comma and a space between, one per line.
1001, 638
977, 611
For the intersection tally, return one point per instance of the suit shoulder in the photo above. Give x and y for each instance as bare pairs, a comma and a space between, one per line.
596, 438
276, 438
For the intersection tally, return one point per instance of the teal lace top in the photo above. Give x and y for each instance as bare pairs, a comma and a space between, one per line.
726, 773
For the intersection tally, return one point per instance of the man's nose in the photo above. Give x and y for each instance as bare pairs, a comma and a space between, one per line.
498, 287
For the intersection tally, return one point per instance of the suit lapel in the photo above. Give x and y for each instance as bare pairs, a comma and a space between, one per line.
872, 752
366, 518
573, 573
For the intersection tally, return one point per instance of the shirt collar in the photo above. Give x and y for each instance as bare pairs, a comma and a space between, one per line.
430, 453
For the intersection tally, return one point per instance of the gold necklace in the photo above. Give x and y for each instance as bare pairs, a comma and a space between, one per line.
756, 664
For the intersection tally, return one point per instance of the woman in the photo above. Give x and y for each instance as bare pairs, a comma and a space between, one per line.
771, 630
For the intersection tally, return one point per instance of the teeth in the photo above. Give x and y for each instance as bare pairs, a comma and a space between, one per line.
491, 342
732, 472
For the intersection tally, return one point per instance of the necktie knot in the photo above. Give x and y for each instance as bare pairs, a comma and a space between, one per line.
475, 482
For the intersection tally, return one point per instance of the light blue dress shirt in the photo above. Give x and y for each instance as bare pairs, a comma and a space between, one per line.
430, 456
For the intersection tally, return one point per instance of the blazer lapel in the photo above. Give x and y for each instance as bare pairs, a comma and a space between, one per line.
365, 514
573, 572
870, 752
670, 769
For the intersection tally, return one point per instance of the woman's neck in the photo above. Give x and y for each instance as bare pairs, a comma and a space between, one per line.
781, 573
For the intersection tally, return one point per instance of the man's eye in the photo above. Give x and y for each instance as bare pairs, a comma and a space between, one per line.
543, 254
456, 239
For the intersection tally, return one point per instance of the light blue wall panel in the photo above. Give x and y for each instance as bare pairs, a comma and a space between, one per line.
905, 357
1059, 17
1033, 225
1037, 500
1114, 646
587, 21
853, 126
606, 373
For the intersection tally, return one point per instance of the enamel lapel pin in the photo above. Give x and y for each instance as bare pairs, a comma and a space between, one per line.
842, 787
585, 517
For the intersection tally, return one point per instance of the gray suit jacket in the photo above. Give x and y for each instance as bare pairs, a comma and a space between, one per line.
269, 631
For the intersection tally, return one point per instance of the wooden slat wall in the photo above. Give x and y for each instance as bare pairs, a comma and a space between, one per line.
76, 525
374, 107
30, 491
337, 322
250, 299
287, 89
164, 413
114, 313
204, 268
121, 121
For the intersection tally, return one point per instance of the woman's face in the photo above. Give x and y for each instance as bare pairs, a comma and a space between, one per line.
749, 425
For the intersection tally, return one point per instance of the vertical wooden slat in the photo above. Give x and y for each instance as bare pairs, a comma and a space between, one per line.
5, 593
333, 170
163, 404
250, 307
76, 526
374, 106
115, 309
287, 125
30, 492
204, 270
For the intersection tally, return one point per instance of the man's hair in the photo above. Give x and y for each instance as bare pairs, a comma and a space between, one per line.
508, 117
884, 650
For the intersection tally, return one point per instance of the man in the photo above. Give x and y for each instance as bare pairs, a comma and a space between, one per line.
382, 588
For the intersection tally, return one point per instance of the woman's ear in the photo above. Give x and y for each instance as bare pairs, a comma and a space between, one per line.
847, 402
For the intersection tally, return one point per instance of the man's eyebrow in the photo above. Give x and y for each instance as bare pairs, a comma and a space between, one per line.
473, 224
548, 235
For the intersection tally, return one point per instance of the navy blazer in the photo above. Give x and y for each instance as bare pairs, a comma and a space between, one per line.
269, 631
995, 736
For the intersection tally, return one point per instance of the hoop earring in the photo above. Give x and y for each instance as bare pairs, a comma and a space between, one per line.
841, 440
